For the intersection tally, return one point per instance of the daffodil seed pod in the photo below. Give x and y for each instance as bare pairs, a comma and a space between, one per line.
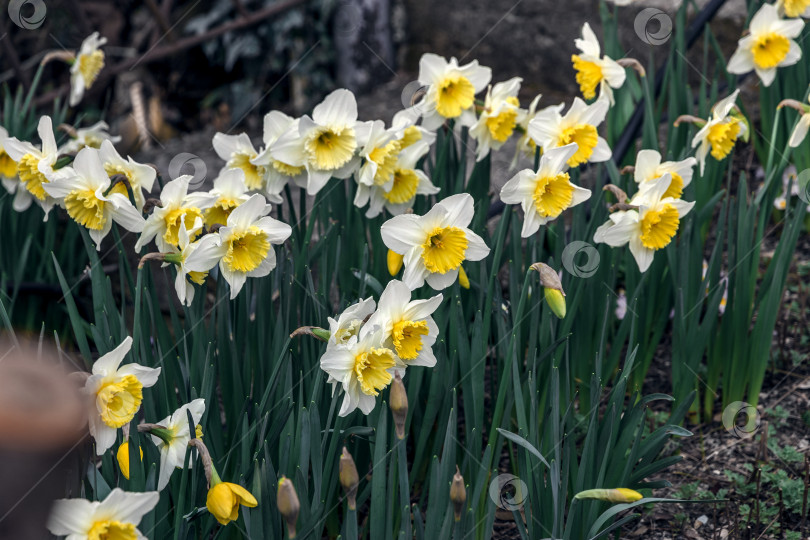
349, 478
458, 494
616, 495
399, 405
288, 505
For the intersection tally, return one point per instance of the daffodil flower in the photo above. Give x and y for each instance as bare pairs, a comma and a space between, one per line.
91, 136
794, 8
35, 166
649, 167
245, 244
406, 183
720, 132
238, 153
92, 201
86, 67
435, 245
325, 144
594, 70
379, 148
9, 179
185, 259
117, 392
348, 323
117, 516
498, 118
550, 129
223, 499
525, 144
649, 228
173, 439
451, 90
363, 366
229, 192
407, 326
122, 456
140, 177
546, 193
404, 121
770, 44
278, 173
176, 202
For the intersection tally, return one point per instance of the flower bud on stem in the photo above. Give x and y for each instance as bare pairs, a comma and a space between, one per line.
288, 505
398, 402
349, 478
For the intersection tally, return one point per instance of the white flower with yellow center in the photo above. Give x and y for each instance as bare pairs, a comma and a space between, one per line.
547, 193
175, 204
720, 133
499, 117
434, 245
594, 70
379, 148
407, 182
363, 366
450, 90
140, 177
348, 323
86, 66
525, 144
648, 229
550, 129
117, 392
91, 200
649, 167
229, 192
245, 247
177, 435
238, 153
115, 518
191, 269
325, 144
92, 136
9, 179
794, 8
277, 173
35, 166
769, 45
407, 326
404, 122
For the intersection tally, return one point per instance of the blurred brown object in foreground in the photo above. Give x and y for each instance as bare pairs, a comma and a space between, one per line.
43, 418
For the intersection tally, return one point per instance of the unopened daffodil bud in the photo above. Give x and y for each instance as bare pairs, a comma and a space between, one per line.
458, 494
288, 505
555, 296
123, 458
224, 498
394, 263
463, 280
312, 331
398, 401
617, 495
349, 478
